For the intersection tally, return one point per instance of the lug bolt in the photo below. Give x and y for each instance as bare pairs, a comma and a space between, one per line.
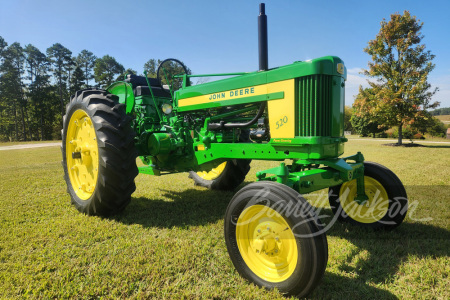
259, 230
277, 239
276, 251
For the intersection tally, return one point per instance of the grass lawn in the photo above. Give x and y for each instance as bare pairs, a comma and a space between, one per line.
168, 243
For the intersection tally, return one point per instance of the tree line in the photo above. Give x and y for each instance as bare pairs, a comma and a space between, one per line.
35, 86
441, 111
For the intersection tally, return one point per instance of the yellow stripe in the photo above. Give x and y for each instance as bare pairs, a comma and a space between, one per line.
281, 112
225, 95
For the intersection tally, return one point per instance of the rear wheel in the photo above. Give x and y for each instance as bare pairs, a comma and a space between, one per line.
385, 207
274, 239
225, 176
99, 158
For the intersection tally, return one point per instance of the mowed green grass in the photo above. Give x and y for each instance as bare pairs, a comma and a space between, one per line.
168, 243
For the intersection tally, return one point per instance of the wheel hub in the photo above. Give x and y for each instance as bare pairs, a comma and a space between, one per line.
82, 154
266, 243
267, 240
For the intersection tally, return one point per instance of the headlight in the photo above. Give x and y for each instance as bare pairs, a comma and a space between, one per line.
167, 108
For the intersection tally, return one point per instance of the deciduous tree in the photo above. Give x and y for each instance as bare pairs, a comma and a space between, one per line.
401, 65
364, 118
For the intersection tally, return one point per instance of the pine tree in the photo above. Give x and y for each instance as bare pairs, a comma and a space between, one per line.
77, 80
86, 61
106, 70
61, 59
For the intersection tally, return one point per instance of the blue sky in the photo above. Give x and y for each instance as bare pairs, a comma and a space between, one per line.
221, 36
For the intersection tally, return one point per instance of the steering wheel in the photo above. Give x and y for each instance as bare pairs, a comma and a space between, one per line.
166, 71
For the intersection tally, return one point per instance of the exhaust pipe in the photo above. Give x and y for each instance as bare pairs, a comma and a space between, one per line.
262, 38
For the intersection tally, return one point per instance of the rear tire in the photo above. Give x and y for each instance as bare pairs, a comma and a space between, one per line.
226, 176
99, 157
274, 238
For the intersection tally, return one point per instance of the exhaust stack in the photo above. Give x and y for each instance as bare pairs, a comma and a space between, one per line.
262, 38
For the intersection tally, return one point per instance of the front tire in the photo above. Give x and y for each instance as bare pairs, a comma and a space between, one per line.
387, 202
99, 157
274, 238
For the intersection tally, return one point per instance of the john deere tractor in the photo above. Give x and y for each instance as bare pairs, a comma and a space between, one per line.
293, 114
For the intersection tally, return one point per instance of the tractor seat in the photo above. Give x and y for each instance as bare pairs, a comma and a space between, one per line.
157, 91
140, 87
140, 80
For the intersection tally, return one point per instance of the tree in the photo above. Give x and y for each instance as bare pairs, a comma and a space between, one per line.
170, 68
86, 61
3, 45
436, 128
106, 70
77, 80
38, 67
12, 70
363, 120
440, 111
61, 60
401, 65
348, 112
126, 72
151, 66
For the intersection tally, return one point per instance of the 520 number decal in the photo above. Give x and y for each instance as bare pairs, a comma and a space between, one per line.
281, 122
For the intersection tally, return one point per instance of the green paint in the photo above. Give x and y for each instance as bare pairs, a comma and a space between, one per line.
181, 140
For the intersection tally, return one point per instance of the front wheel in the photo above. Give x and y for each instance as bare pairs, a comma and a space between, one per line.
385, 207
274, 238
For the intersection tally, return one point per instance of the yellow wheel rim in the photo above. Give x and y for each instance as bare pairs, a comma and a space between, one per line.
82, 154
266, 243
213, 173
370, 211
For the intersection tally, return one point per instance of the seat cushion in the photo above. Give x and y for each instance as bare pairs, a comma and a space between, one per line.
140, 80
157, 91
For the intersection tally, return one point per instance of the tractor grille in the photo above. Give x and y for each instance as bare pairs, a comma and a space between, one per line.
315, 105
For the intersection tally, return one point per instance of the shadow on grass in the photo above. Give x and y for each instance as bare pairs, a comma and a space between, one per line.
436, 146
409, 145
378, 256
334, 286
190, 207
375, 259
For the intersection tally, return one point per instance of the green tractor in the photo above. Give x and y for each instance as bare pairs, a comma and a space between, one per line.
293, 114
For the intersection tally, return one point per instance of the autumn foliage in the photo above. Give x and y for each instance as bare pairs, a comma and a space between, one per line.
400, 65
